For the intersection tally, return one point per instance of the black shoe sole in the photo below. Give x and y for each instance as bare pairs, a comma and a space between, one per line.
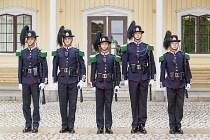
143, 132
109, 132
34, 131
26, 131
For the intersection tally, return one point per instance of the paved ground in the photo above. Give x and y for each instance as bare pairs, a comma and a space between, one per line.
196, 122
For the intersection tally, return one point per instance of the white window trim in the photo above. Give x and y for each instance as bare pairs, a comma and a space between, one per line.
196, 11
17, 10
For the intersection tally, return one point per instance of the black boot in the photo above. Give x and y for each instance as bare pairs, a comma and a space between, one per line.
35, 130
71, 130
63, 130
100, 131
134, 130
172, 131
179, 130
109, 131
142, 129
26, 129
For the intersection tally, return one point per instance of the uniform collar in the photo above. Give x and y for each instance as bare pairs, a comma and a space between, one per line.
173, 52
105, 53
32, 48
137, 43
67, 47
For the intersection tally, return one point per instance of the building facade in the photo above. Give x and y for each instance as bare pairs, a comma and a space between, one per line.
189, 19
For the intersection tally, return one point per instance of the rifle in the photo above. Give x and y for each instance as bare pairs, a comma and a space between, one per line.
115, 80
185, 75
41, 75
78, 68
150, 74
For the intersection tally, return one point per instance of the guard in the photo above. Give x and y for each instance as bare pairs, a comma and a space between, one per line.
138, 69
70, 77
32, 75
175, 64
105, 76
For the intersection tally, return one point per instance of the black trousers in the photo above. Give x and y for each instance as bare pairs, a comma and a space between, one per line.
104, 100
27, 92
67, 98
138, 96
175, 106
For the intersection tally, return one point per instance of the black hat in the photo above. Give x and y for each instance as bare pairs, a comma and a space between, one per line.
25, 33
132, 29
63, 33
169, 38
104, 39
31, 33
99, 39
67, 33
173, 38
137, 28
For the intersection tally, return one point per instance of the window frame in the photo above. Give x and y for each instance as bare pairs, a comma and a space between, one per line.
14, 31
197, 27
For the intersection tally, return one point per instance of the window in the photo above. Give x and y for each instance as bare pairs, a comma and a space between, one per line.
196, 34
10, 29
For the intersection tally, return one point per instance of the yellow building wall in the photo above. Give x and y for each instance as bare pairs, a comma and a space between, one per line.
8, 63
70, 14
169, 11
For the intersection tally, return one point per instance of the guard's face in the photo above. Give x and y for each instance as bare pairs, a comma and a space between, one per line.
137, 35
104, 45
174, 45
31, 41
68, 41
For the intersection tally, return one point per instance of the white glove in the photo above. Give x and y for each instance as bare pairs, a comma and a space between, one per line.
161, 85
188, 86
116, 89
151, 82
20, 87
79, 85
126, 83
55, 85
41, 86
93, 89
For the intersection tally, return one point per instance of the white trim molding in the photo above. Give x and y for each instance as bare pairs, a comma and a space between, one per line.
107, 10
159, 38
53, 35
17, 10
196, 11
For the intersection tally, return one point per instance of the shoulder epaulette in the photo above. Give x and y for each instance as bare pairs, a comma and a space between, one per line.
81, 53
43, 53
187, 56
93, 58
124, 48
161, 58
117, 58
18, 52
150, 47
54, 53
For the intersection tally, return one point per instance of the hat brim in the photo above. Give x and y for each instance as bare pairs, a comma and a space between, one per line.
70, 36
174, 41
32, 36
104, 41
139, 31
